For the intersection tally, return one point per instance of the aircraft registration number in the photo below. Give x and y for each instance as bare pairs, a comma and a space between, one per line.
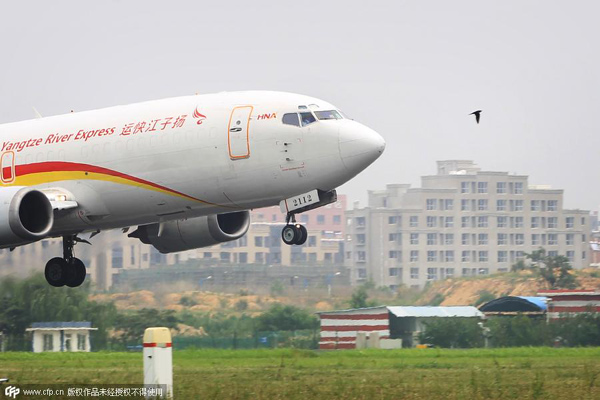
296, 202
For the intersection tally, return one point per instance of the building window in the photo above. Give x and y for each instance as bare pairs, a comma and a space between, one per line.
519, 239
464, 222
448, 204
431, 256
394, 237
337, 219
570, 222
414, 221
501, 187
535, 222
48, 342
501, 221
449, 223
482, 187
394, 271
570, 239
362, 273
414, 255
502, 239
360, 221
449, 239
483, 271
449, 272
518, 205
449, 256
518, 222
552, 222
483, 256
312, 241
552, 239
571, 255
259, 258
81, 342
582, 221
502, 256
465, 256
320, 219
361, 238
535, 205
414, 273
393, 220
482, 239
583, 238
552, 253
535, 239
464, 239
258, 241
500, 205
361, 255
431, 204
243, 258
431, 239
482, 205
414, 238
225, 257
303, 218
464, 205
482, 222
465, 187
431, 222
117, 257
583, 255
518, 187
552, 205
432, 274
394, 254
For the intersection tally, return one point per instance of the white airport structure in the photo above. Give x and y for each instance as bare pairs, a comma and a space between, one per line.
461, 222
158, 361
61, 336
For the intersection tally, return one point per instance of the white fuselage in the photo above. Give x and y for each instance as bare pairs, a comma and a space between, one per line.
182, 157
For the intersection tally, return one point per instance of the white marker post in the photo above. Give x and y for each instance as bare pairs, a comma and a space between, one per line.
158, 359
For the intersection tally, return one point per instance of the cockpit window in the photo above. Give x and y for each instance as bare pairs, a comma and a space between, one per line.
331, 114
291, 119
307, 118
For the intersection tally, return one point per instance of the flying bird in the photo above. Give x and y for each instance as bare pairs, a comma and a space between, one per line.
477, 115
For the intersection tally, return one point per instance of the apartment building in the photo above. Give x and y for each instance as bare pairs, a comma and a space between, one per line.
460, 222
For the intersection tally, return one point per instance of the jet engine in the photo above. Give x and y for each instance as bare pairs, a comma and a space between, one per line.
193, 233
26, 215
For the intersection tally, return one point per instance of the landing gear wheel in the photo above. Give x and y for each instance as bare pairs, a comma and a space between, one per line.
303, 236
57, 272
77, 273
290, 234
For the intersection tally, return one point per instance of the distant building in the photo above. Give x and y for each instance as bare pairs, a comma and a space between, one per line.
387, 327
461, 222
61, 336
571, 302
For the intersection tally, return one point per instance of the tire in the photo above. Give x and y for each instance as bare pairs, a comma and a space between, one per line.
77, 273
290, 234
303, 235
56, 272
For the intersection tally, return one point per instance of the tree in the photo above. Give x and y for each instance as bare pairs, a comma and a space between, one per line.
359, 298
131, 327
453, 333
286, 318
554, 269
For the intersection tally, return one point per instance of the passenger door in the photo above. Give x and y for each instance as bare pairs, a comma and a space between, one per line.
238, 131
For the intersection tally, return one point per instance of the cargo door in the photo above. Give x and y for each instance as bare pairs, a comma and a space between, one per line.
7, 167
238, 131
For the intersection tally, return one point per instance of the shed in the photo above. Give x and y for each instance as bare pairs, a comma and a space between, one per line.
565, 302
383, 326
61, 336
515, 305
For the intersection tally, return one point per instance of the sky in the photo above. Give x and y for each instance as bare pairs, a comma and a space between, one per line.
412, 71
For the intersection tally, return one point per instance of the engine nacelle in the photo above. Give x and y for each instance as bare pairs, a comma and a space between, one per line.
188, 234
26, 215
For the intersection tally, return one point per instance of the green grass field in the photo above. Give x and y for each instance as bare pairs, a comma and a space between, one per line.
516, 373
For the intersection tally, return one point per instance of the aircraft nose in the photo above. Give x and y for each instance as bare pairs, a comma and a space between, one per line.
359, 147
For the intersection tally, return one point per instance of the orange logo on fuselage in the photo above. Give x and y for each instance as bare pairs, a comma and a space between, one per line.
267, 116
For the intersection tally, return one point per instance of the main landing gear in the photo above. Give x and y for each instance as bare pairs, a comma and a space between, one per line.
67, 270
294, 233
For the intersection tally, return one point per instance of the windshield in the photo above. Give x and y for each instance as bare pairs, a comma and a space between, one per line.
331, 114
307, 118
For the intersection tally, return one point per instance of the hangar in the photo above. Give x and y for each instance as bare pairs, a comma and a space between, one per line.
515, 305
382, 326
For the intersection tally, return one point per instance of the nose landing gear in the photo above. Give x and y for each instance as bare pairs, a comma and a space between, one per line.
68, 270
294, 233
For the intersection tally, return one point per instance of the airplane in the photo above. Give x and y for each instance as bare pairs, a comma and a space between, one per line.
184, 171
